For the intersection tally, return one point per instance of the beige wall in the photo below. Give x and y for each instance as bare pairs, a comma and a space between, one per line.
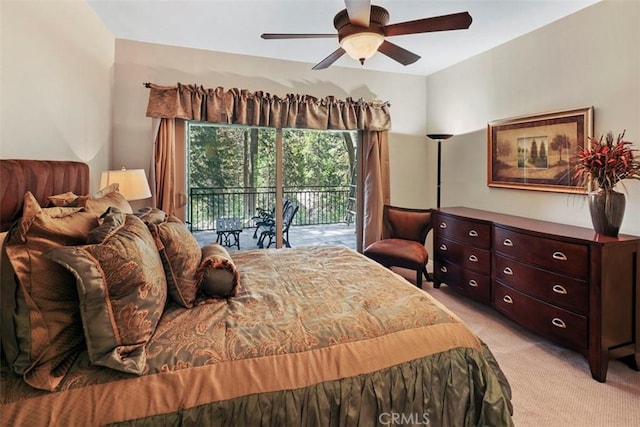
137, 63
591, 58
60, 55
56, 83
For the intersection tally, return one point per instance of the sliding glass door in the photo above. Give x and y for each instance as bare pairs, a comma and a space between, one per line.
240, 172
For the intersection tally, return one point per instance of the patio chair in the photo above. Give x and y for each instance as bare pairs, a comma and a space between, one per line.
404, 247
265, 218
287, 218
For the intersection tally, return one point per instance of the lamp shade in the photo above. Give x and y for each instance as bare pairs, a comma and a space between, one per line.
361, 46
133, 183
439, 136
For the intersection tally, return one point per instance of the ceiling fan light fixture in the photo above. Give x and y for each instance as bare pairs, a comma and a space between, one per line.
363, 45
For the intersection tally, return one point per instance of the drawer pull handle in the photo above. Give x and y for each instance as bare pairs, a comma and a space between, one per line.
473, 258
559, 289
558, 323
443, 247
507, 299
443, 269
443, 225
560, 256
473, 233
508, 270
473, 283
507, 242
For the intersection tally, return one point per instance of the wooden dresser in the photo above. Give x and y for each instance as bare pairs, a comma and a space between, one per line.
565, 283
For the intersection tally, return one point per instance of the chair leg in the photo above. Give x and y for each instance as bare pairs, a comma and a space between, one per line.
261, 240
419, 278
427, 275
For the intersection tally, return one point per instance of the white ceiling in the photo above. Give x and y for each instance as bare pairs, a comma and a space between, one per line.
235, 27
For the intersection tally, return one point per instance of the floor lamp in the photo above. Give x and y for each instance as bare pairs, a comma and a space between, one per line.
439, 137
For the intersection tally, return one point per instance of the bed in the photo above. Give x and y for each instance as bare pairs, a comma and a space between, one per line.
308, 336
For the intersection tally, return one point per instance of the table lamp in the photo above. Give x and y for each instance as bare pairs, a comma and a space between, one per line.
133, 182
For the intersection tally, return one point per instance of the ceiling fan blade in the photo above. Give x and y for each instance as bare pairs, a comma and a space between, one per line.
398, 53
455, 21
326, 62
282, 36
359, 12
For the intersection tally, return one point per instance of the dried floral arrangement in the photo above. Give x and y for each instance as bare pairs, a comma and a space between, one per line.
605, 163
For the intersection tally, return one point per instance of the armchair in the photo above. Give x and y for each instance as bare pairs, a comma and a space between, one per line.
270, 232
403, 243
266, 219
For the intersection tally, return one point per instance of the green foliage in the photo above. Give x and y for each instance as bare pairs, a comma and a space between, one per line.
219, 156
215, 155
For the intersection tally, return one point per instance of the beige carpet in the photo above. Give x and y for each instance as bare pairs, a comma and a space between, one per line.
552, 386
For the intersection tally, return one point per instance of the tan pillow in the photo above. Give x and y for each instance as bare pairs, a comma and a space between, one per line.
107, 197
217, 275
122, 290
3, 235
41, 327
179, 251
7, 300
97, 203
67, 199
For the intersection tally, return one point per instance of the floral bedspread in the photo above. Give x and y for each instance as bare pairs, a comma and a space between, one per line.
315, 336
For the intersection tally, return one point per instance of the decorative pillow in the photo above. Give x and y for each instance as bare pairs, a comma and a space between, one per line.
107, 197
3, 235
67, 199
98, 203
7, 295
122, 290
179, 251
41, 325
151, 215
217, 275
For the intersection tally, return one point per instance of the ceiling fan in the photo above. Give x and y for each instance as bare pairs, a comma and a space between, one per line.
362, 28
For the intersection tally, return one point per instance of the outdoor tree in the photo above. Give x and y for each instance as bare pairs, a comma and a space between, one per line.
244, 158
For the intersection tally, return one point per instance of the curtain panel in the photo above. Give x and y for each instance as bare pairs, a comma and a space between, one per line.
242, 107
164, 189
375, 186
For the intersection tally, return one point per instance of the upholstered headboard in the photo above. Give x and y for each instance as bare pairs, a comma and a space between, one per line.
43, 178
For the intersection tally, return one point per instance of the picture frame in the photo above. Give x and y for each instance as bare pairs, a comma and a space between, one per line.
538, 152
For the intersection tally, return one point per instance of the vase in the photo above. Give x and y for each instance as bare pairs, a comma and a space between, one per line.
607, 211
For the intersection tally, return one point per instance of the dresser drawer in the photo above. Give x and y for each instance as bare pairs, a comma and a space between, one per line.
552, 322
468, 232
468, 283
570, 259
467, 257
553, 288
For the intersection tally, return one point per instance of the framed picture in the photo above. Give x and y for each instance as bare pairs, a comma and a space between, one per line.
538, 152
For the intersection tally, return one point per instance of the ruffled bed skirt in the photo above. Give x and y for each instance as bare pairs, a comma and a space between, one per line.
458, 387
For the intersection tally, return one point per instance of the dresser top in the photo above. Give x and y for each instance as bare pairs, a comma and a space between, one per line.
539, 226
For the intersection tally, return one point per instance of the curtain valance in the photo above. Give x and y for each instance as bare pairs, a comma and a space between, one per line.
239, 106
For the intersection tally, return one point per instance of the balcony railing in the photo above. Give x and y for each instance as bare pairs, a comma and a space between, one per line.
317, 204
